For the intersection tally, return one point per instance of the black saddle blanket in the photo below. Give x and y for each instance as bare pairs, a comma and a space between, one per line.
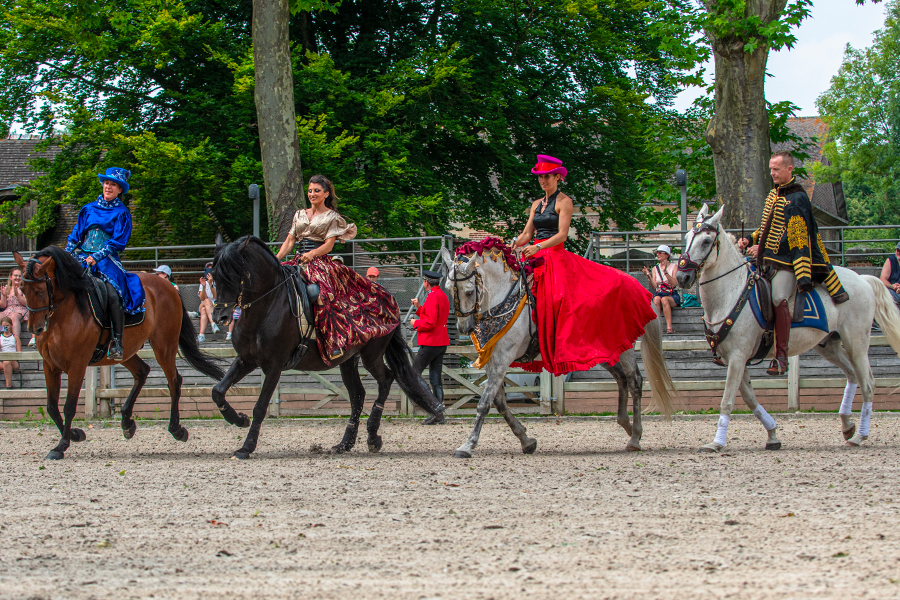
99, 295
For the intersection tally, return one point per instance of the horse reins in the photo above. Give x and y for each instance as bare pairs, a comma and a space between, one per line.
239, 302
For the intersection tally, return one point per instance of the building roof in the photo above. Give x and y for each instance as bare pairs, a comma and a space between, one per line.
827, 198
15, 152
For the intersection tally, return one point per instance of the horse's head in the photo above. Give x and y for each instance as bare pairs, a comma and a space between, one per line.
699, 244
242, 270
39, 274
466, 289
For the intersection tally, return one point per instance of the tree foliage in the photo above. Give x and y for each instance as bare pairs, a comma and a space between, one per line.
422, 112
863, 111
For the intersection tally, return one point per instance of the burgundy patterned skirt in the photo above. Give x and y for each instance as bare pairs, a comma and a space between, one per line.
351, 310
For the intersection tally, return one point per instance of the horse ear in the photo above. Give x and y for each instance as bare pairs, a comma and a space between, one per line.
714, 220
447, 257
19, 260
40, 269
703, 212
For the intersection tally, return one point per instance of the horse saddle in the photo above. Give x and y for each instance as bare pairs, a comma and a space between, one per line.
302, 299
100, 296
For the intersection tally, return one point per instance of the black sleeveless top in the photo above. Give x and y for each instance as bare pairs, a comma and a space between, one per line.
895, 269
546, 222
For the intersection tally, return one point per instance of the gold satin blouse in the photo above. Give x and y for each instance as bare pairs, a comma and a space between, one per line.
322, 227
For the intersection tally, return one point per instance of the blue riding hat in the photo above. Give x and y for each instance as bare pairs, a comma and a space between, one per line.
117, 175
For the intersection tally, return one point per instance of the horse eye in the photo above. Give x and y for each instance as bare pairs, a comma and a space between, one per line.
469, 294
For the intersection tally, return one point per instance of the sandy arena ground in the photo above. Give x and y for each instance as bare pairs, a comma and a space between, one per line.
152, 517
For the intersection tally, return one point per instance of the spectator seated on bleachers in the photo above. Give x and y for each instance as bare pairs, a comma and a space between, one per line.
8, 343
664, 285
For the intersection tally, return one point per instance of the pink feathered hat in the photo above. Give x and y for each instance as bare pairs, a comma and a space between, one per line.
548, 164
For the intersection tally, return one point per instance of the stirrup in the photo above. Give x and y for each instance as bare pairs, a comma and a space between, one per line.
116, 351
774, 369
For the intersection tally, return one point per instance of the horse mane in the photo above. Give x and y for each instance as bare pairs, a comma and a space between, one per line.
495, 249
70, 274
229, 261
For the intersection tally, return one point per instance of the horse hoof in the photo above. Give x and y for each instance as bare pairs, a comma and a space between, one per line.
773, 446
464, 454
375, 445
706, 450
339, 449
55, 455
243, 421
630, 448
528, 448
437, 419
181, 436
849, 433
857, 440
77, 435
241, 455
129, 433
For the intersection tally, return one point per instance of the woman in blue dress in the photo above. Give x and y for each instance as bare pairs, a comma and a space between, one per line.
102, 231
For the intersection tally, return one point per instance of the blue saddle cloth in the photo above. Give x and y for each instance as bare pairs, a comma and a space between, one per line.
813, 311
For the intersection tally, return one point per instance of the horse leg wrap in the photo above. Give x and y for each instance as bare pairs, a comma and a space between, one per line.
722, 430
847, 401
764, 417
865, 416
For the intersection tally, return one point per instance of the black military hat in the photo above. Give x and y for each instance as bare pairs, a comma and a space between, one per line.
431, 274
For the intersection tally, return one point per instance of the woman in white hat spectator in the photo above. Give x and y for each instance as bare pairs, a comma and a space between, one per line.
662, 280
166, 273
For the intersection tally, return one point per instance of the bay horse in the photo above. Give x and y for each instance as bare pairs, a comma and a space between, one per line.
56, 291
249, 276
481, 281
723, 277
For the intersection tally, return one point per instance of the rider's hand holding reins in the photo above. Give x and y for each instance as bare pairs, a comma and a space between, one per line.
90, 261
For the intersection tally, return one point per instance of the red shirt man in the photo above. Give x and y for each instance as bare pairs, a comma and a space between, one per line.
432, 328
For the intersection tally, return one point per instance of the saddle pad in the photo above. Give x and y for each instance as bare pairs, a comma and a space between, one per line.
813, 312
98, 296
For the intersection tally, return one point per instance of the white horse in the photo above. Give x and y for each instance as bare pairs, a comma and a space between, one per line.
711, 256
479, 282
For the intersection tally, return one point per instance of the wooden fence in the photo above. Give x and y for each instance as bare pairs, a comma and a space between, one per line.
321, 394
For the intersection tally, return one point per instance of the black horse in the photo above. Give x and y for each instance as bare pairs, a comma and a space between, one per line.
267, 334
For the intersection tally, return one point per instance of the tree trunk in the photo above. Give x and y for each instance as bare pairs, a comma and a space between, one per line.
274, 95
738, 133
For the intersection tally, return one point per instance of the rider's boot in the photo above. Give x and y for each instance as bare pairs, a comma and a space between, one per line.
117, 316
779, 366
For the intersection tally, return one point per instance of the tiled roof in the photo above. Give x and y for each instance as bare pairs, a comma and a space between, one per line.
828, 198
14, 156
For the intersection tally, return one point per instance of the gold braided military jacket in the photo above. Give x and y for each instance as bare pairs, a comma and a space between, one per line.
793, 242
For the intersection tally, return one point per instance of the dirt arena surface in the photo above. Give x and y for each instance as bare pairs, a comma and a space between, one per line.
152, 517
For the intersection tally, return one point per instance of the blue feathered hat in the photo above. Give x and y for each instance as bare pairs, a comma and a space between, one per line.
117, 175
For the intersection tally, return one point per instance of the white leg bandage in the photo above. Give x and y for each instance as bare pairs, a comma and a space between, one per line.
847, 401
865, 416
764, 417
722, 430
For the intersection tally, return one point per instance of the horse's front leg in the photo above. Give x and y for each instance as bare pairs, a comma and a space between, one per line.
493, 385
732, 382
239, 369
73, 390
385, 378
529, 445
771, 427
357, 393
270, 382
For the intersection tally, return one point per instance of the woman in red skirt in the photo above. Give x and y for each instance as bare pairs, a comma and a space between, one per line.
587, 313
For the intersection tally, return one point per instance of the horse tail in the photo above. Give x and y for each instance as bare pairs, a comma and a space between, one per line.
190, 349
657, 371
886, 312
411, 382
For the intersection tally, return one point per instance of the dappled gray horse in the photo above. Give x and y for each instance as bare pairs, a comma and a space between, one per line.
482, 281
710, 256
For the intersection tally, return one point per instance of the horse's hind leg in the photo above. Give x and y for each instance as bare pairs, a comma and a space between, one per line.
832, 350
385, 378
357, 393
529, 445
749, 396
174, 379
139, 370
858, 353
628, 379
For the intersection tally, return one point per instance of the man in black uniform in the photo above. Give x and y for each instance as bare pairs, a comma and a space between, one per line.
791, 245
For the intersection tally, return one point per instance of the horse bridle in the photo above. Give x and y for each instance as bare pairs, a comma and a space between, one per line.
685, 263
476, 309
29, 270
239, 302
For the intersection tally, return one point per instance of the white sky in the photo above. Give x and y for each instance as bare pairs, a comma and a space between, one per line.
803, 73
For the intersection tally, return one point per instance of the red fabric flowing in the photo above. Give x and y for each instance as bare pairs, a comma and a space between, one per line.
587, 313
